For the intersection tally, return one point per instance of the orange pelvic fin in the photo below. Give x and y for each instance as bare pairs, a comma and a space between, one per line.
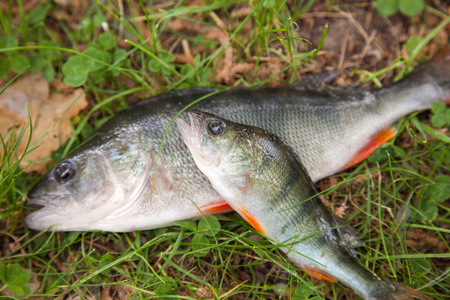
318, 275
216, 208
379, 139
250, 219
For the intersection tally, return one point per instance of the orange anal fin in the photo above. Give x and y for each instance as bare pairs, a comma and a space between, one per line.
379, 139
216, 208
318, 275
250, 219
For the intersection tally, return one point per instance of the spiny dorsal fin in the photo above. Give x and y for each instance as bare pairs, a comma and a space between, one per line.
349, 236
316, 82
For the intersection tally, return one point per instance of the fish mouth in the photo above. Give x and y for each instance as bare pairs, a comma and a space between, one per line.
183, 127
34, 206
36, 210
193, 136
41, 215
35, 203
190, 136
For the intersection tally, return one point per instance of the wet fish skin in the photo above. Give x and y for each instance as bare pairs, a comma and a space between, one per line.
263, 180
327, 128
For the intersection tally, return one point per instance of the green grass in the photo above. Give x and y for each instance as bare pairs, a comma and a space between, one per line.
391, 197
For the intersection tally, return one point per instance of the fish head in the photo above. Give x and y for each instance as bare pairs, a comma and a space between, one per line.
217, 145
83, 189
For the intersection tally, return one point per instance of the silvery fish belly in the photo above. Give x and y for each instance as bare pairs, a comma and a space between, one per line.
110, 183
264, 181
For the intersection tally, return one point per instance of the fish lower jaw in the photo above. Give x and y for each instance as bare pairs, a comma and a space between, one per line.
35, 206
146, 221
71, 218
39, 220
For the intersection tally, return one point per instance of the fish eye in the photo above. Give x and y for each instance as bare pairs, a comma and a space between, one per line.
64, 171
216, 127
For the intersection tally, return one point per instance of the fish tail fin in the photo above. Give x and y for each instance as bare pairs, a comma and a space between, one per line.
442, 61
419, 90
404, 292
388, 289
436, 70
439, 67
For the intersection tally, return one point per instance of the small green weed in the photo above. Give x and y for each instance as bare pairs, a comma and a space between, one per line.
203, 233
31, 30
94, 61
435, 194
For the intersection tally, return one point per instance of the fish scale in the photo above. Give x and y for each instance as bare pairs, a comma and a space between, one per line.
329, 129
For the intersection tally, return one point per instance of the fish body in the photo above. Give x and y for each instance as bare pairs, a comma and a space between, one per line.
264, 181
110, 183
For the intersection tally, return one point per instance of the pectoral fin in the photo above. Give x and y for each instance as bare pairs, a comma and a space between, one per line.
379, 139
162, 176
318, 275
219, 207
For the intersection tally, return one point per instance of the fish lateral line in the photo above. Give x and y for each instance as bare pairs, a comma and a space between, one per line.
217, 207
250, 219
379, 139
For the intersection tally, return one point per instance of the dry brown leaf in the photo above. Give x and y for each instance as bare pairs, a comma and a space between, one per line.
105, 293
340, 211
49, 112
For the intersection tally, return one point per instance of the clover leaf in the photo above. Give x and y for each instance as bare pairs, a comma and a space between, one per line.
188, 224
75, 71
5, 65
440, 191
199, 242
8, 42
49, 54
106, 40
37, 62
48, 72
77, 68
19, 63
411, 7
210, 225
387, 7
440, 115
163, 64
93, 62
434, 193
407, 7
15, 279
